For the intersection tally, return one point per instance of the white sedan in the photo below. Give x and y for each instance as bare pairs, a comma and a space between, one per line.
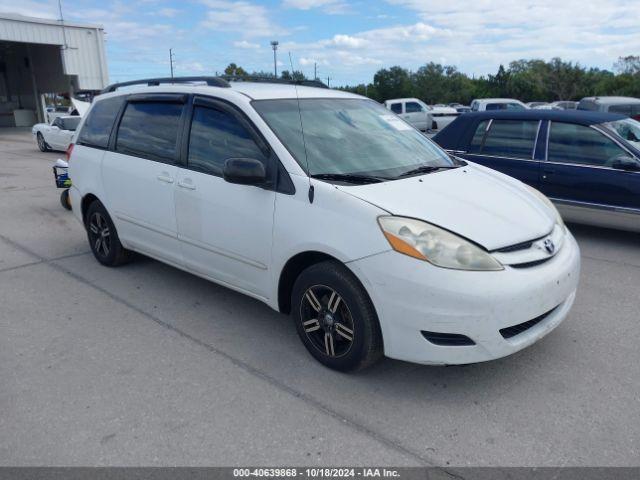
56, 135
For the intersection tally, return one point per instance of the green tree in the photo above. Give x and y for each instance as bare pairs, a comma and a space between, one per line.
235, 71
393, 83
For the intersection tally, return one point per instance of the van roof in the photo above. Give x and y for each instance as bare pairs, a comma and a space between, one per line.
612, 100
260, 89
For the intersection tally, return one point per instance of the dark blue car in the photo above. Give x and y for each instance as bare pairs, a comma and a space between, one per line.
587, 163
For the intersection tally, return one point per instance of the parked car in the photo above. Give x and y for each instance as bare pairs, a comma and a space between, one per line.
587, 163
323, 204
482, 104
627, 106
562, 105
420, 115
56, 135
536, 104
463, 109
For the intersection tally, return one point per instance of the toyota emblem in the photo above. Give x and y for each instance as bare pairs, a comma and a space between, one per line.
549, 246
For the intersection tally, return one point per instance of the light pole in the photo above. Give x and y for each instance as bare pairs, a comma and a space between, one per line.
274, 45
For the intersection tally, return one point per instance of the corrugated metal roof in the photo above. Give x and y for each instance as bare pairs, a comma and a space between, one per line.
83, 56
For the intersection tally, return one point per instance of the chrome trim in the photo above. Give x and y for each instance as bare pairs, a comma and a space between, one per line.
546, 150
582, 165
595, 206
535, 141
504, 157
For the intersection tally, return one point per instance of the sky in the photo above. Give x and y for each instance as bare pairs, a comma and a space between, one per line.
348, 40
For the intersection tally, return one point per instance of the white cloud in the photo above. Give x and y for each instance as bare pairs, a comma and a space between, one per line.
332, 7
247, 18
489, 32
30, 8
347, 41
247, 45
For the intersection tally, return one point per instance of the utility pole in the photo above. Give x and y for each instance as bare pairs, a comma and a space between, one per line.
171, 60
274, 45
328, 80
315, 70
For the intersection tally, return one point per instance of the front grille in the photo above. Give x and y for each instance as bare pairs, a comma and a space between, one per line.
510, 332
516, 248
447, 339
531, 264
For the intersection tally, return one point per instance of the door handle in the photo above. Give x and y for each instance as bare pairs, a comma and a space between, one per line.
187, 183
165, 177
546, 173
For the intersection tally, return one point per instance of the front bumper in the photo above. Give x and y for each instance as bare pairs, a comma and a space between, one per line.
411, 296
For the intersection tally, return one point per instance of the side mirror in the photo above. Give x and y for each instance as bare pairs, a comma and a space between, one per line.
625, 162
244, 171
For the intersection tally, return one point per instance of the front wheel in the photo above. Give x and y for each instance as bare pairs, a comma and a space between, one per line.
103, 237
335, 318
42, 145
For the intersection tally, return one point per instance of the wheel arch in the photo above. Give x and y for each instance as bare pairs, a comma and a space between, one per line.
292, 269
87, 200
296, 265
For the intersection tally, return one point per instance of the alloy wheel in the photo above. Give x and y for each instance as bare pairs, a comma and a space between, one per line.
100, 234
327, 321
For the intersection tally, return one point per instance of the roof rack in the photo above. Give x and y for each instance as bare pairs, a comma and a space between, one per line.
154, 82
286, 81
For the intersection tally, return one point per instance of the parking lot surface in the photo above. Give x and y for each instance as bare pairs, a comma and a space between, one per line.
148, 365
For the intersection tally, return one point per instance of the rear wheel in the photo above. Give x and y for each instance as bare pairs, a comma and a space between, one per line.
103, 237
335, 318
42, 145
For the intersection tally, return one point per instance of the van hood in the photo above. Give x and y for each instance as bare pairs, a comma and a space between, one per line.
482, 205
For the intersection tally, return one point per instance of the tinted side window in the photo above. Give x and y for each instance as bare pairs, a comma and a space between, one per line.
510, 138
412, 107
478, 137
217, 136
622, 109
396, 107
97, 126
569, 143
150, 130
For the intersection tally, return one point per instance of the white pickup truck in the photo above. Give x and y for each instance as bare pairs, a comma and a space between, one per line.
420, 115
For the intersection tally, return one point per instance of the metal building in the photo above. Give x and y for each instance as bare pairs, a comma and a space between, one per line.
39, 56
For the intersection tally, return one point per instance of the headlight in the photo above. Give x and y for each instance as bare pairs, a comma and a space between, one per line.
548, 203
427, 242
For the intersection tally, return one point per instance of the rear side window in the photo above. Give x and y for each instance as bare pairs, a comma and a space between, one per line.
99, 122
396, 107
413, 107
217, 136
510, 138
150, 130
570, 143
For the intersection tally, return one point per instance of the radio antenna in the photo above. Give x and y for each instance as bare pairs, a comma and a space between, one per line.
304, 143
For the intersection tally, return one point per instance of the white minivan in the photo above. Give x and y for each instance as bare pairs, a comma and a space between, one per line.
324, 205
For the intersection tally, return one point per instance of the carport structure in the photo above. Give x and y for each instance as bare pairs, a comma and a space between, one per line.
40, 56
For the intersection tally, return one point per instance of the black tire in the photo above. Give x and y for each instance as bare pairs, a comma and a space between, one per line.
329, 305
42, 145
103, 237
64, 199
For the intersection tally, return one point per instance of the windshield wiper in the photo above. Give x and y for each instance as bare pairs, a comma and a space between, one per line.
426, 169
349, 178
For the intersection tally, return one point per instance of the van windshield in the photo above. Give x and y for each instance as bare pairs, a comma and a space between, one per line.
350, 137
